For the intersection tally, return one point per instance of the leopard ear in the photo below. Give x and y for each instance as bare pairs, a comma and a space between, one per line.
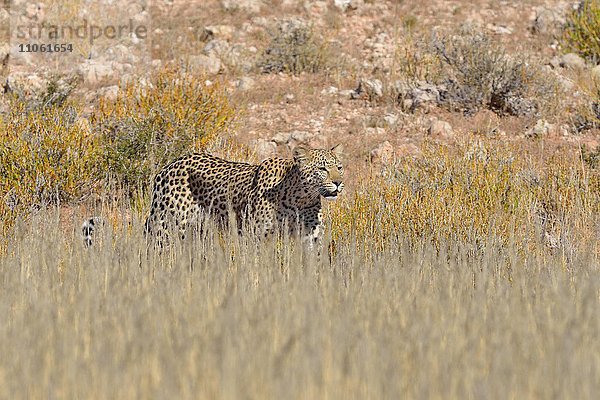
337, 149
301, 154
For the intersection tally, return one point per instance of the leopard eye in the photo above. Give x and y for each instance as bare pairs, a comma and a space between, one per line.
324, 169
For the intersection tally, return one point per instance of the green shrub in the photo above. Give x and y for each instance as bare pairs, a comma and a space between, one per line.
47, 156
294, 48
582, 31
149, 125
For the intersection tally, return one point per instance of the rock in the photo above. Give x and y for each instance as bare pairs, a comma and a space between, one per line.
264, 148
441, 129
301, 137
316, 7
251, 6
566, 83
373, 132
345, 5
390, 119
121, 54
293, 138
499, 29
383, 152
36, 88
211, 65
408, 104
95, 72
35, 11
216, 48
417, 94
519, 106
4, 51
596, 73
330, 91
26, 85
245, 83
282, 137
572, 60
548, 20
241, 57
407, 150
236, 55
541, 128
555, 62
219, 32
110, 92
4, 106
369, 89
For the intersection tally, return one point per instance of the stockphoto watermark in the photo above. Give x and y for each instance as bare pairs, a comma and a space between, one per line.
82, 31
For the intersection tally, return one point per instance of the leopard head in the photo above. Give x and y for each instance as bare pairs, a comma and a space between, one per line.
321, 171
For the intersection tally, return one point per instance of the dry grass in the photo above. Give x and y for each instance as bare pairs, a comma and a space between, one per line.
441, 284
470, 272
466, 192
222, 318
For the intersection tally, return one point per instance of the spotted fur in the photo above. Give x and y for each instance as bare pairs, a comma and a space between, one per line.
89, 228
274, 194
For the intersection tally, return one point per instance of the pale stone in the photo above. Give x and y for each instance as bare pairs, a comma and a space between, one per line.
572, 60
211, 65
441, 129
383, 152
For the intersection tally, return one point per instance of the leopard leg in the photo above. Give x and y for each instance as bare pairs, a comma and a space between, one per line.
313, 230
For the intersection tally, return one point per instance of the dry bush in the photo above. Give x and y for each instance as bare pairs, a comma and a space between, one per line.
152, 123
224, 319
591, 156
586, 113
582, 31
294, 48
47, 156
54, 92
478, 73
413, 61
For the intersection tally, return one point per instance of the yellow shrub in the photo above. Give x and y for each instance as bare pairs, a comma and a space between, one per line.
582, 31
469, 194
150, 124
47, 156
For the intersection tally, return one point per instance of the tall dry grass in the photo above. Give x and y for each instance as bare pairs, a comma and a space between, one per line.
517, 192
223, 318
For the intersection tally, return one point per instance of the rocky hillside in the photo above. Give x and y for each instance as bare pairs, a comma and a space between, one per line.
380, 77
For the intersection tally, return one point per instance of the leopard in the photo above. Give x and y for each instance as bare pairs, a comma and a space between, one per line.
275, 195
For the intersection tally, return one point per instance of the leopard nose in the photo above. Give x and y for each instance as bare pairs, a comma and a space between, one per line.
337, 183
